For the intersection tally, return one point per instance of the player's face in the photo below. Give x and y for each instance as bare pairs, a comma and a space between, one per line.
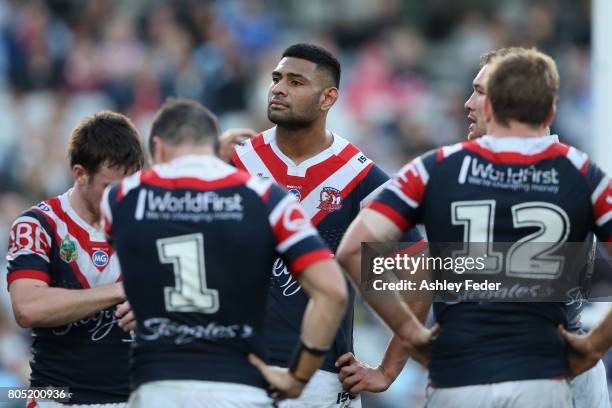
475, 106
94, 184
294, 96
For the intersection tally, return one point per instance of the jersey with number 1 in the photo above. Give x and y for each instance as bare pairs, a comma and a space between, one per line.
332, 186
196, 239
500, 190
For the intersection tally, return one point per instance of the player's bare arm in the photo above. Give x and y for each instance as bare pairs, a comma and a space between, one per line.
370, 226
324, 283
35, 304
587, 349
357, 376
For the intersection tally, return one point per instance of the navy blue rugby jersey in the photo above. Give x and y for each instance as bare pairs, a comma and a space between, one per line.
51, 243
196, 239
500, 190
332, 187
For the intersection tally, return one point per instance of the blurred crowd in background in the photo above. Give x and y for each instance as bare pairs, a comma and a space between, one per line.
407, 68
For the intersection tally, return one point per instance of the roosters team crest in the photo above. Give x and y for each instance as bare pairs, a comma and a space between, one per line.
330, 199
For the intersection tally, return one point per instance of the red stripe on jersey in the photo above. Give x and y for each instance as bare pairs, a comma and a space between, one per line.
277, 167
309, 259
235, 179
28, 274
108, 226
266, 196
390, 213
440, 154
237, 162
320, 172
74, 229
318, 217
75, 267
410, 183
604, 202
32, 404
585, 168
553, 151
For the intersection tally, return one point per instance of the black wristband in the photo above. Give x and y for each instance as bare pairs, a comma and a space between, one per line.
297, 353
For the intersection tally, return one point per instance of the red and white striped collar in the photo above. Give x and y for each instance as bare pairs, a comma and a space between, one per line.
338, 144
522, 145
94, 233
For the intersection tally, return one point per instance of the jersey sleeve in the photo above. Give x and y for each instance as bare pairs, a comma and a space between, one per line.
297, 241
29, 249
401, 198
372, 185
600, 186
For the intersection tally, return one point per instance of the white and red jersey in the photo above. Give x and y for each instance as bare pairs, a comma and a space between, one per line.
51, 243
332, 187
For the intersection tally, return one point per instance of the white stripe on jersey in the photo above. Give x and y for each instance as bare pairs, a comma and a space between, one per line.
251, 160
522, 145
604, 219
577, 157
258, 185
422, 170
452, 149
128, 184
202, 167
339, 180
400, 194
277, 212
601, 187
294, 239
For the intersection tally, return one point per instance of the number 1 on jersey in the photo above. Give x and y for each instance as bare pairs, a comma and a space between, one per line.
190, 293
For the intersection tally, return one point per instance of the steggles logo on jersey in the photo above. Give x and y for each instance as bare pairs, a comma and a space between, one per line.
100, 258
68, 250
330, 199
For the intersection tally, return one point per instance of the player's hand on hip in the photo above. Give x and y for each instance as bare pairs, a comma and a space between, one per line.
582, 353
230, 138
282, 384
125, 314
417, 340
356, 376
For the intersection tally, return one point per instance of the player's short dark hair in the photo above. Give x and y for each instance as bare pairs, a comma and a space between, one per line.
522, 86
324, 59
488, 56
106, 138
181, 120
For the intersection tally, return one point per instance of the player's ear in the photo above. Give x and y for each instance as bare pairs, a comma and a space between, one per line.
158, 149
80, 174
328, 98
551, 116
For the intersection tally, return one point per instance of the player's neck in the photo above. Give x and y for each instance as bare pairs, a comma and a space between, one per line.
302, 144
80, 207
516, 129
176, 152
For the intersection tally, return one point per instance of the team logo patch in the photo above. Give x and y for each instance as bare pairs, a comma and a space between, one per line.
68, 250
330, 199
44, 207
296, 193
100, 258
